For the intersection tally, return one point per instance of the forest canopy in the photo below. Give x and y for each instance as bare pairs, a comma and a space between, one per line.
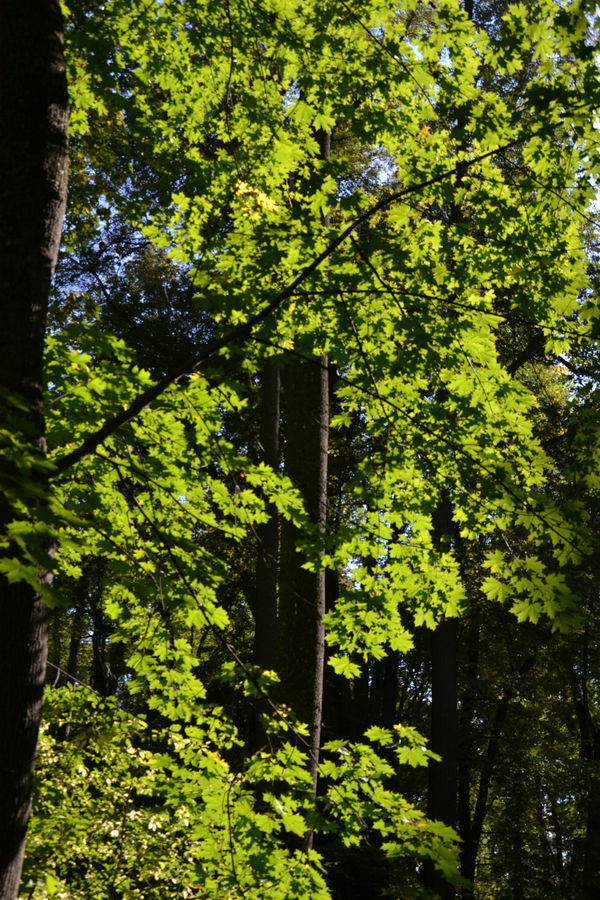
299, 529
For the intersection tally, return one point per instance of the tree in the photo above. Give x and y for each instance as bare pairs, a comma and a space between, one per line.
211, 155
33, 154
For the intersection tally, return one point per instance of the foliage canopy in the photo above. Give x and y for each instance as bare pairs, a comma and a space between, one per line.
435, 255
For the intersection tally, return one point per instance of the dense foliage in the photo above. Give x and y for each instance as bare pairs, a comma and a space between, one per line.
390, 208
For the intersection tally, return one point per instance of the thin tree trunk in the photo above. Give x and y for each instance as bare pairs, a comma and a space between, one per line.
33, 171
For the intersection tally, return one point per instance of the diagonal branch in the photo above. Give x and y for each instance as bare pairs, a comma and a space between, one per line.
240, 334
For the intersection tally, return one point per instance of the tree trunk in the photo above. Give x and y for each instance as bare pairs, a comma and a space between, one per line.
33, 167
265, 610
468, 850
301, 650
443, 775
264, 602
303, 595
443, 779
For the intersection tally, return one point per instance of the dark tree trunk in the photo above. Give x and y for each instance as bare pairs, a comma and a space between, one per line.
443, 779
382, 685
338, 700
389, 700
303, 595
301, 648
443, 775
468, 851
33, 174
265, 608
104, 680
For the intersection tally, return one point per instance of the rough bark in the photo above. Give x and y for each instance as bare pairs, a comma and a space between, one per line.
33, 167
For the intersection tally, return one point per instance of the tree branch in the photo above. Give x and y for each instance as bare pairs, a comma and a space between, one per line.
242, 333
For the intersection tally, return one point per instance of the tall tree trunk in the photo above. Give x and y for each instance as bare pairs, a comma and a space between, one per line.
264, 601
33, 175
265, 610
302, 594
301, 649
443, 779
443, 775
468, 850
382, 686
